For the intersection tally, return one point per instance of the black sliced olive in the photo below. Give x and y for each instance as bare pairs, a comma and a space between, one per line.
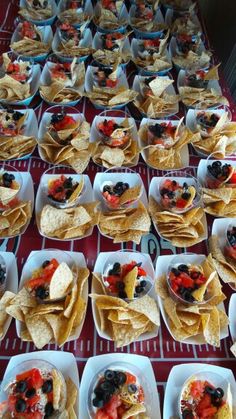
47, 386
21, 386
109, 375
30, 393
20, 405
132, 388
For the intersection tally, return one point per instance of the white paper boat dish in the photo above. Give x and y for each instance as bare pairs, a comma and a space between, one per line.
169, 90
41, 201
141, 364
85, 42
184, 152
45, 80
98, 268
131, 178
34, 85
162, 269
153, 191
89, 86
65, 362
45, 22
26, 193
135, 49
232, 319
47, 37
123, 15
94, 135
180, 373
87, 10
39, 257
45, 122
30, 129
11, 282
192, 125
147, 34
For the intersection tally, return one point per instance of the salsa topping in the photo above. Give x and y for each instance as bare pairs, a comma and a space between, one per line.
144, 11
219, 174
109, 40
109, 5
61, 71
126, 281
151, 45
28, 30
162, 134
61, 121
50, 281
68, 32
230, 249
112, 193
62, 188
102, 77
19, 71
31, 394
186, 43
184, 280
207, 121
115, 392
201, 400
113, 134
175, 196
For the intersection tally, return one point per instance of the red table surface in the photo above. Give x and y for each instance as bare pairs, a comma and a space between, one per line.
163, 351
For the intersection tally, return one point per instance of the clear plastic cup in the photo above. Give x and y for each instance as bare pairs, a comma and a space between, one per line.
169, 202
35, 262
203, 124
230, 242
186, 43
218, 172
214, 379
101, 73
45, 368
145, 77
71, 178
141, 11
110, 178
61, 111
25, 71
124, 367
10, 179
118, 118
174, 264
124, 257
163, 139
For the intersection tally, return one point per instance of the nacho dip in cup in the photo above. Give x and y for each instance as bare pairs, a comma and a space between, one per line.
187, 282
62, 187
219, 174
128, 275
164, 134
30, 388
105, 76
118, 387
210, 122
230, 247
49, 275
114, 128
117, 194
12, 122
205, 395
179, 192
10, 186
196, 79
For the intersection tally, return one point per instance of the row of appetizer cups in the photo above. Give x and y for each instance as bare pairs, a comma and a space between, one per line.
179, 384
29, 127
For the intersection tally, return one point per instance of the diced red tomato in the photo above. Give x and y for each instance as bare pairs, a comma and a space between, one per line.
111, 83
141, 271
204, 402
67, 122
33, 401
35, 379
141, 395
130, 378
100, 414
181, 203
233, 178
11, 402
186, 280
197, 388
208, 413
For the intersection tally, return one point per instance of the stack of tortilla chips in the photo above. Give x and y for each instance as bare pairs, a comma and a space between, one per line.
51, 321
192, 60
186, 321
126, 224
31, 47
68, 223
15, 219
182, 230
220, 202
163, 158
158, 61
124, 322
68, 146
106, 19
